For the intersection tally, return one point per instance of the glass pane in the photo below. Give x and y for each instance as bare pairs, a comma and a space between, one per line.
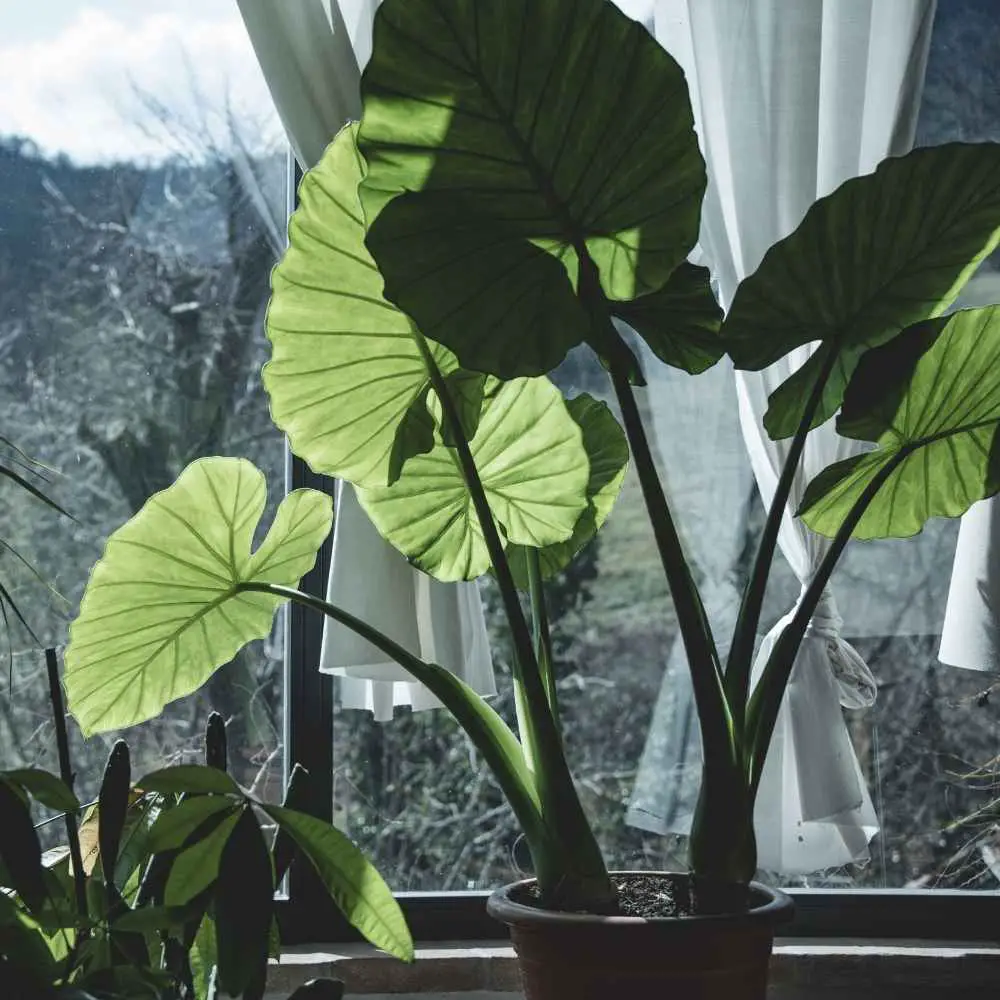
142, 199
419, 800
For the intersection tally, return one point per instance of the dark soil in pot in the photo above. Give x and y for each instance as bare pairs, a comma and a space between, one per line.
656, 949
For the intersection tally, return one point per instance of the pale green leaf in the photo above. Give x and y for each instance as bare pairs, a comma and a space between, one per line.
161, 611
607, 451
534, 470
346, 378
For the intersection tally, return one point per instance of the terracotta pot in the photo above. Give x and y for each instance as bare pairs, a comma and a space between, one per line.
578, 956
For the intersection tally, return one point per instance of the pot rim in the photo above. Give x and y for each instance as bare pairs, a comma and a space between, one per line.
776, 909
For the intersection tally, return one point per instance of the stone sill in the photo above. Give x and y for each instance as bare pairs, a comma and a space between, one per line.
801, 970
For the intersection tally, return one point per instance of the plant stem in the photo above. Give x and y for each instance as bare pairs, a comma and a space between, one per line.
542, 636
762, 712
703, 660
66, 773
739, 663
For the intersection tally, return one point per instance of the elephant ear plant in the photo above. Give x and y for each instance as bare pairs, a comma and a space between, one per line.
525, 179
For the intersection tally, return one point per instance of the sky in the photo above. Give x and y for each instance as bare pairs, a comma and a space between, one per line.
73, 70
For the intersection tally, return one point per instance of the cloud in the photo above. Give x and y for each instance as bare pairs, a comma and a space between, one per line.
78, 92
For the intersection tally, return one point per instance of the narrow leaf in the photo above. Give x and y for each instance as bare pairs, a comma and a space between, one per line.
44, 787
244, 901
352, 881
173, 827
197, 867
194, 778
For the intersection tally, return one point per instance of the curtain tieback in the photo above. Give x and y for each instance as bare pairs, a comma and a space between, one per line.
855, 682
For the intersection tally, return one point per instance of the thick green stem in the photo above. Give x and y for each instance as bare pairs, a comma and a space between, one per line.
703, 660
762, 712
739, 663
540, 624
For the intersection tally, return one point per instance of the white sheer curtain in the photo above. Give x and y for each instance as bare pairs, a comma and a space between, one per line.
310, 52
971, 634
790, 101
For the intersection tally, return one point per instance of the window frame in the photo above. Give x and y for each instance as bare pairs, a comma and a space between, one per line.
306, 915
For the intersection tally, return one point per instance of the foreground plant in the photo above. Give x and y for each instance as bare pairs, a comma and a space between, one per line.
166, 889
526, 179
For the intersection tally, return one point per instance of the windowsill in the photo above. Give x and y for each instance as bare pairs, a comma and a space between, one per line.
818, 970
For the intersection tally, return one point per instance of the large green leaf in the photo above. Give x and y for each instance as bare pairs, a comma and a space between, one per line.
560, 124
352, 881
607, 451
882, 252
162, 611
534, 470
931, 401
346, 379
44, 787
502, 302
681, 321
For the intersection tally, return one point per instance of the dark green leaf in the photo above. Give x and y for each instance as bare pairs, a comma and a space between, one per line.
244, 901
153, 918
20, 849
44, 787
352, 881
174, 826
882, 252
196, 778
607, 449
501, 303
564, 123
680, 322
930, 400
112, 807
197, 867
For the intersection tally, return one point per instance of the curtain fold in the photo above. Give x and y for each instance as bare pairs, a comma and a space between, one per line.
791, 100
310, 52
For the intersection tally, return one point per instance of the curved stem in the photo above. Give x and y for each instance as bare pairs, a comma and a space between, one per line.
739, 663
762, 712
703, 660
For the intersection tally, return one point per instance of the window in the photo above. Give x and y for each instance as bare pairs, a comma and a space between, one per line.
412, 796
142, 205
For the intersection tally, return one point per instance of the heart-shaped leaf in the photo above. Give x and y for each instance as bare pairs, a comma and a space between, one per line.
607, 450
346, 379
882, 252
161, 611
534, 470
931, 401
560, 126
352, 881
681, 321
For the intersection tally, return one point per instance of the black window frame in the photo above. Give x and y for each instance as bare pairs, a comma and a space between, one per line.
307, 916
